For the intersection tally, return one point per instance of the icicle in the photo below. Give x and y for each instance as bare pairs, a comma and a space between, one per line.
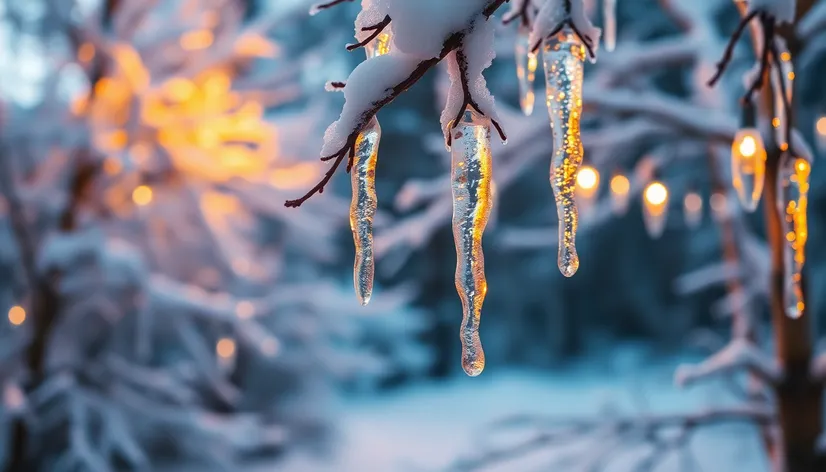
587, 187
471, 182
655, 208
693, 209
620, 188
526, 63
784, 74
748, 160
793, 181
564, 57
363, 208
610, 14
364, 201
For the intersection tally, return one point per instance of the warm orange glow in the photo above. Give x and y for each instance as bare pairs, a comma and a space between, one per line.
821, 126
131, 65
776, 122
294, 177
255, 45
587, 178
225, 348
748, 146
86, 52
785, 56
112, 166
196, 40
620, 185
17, 315
791, 75
142, 195
656, 194
179, 89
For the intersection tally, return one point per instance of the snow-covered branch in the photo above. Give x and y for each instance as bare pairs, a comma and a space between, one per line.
738, 355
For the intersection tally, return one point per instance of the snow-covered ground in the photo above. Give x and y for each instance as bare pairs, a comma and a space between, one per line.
428, 427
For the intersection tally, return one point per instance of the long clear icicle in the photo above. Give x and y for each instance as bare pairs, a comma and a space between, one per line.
564, 60
793, 182
363, 208
609, 11
364, 201
472, 202
526, 64
784, 74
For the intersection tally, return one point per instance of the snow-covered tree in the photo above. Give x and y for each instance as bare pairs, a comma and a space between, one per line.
163, 306
746, 134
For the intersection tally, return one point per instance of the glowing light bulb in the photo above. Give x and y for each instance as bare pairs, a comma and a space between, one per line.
587, 187
693, 209
17, 315
820, 128
142, 195
793, 191
620, 190
225, 349
748, 167
655, 208
719, 206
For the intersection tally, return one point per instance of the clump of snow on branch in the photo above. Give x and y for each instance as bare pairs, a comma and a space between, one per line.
478, 53
553, 15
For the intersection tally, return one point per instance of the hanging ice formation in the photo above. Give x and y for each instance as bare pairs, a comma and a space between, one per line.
792, 203
472, 201
609, 12
364, 202
564, 60
526, 64
782, 75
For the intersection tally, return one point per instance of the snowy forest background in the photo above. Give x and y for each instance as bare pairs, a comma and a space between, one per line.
166, 312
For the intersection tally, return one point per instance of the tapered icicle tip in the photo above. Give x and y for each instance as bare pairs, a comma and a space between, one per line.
568, 262
364, 298
473, 357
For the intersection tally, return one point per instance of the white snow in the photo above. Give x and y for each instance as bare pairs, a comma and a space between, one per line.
369, 83
552, 14
782, 10
479, 53
429, 427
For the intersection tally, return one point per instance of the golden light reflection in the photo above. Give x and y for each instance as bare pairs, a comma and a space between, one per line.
225, 348
17, 315
142, 195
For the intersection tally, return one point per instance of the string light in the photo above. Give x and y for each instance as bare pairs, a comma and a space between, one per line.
820, 131
748, 167
620, 191
17, 315
587, 186
142, 195
225, 348
719, 205
693, 209
655, 208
